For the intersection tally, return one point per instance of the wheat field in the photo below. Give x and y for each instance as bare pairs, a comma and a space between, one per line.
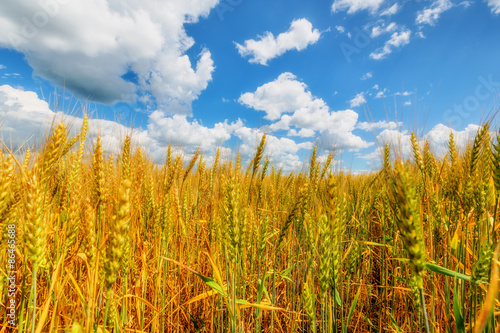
121, 244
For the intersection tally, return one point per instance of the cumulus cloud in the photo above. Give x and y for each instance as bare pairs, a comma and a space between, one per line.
282, 151
25, 118
381, 93
181, 132
293, 108
340, 28
495, 6
285, 94
381, 29
391, 10
403, 93
90, 46
299, 36
358, 100
367, 76
438, 138
352, 6
465, 4
382, 124
398, 39
430, 15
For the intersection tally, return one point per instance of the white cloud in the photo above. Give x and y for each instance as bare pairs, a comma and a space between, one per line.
438, 138
282, 151
430, 15
382, 124
358, 100
291, 105
375, 87
381, 29
181, 132
404, 93
381, 93
26, 118
398, 39
352, 6
367, 76
495, 6
2, 67
300, 35
88, 47
407, 103
465, 4
340, 28
391, 10
304, 132
283, 95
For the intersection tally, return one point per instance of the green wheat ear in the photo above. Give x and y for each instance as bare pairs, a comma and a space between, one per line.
496, 163
416, 153
408, 220
309, 303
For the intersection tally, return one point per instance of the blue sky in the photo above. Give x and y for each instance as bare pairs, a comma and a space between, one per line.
347, 75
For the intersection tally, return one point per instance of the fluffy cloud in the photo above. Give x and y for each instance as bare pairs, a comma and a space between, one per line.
495, 6
291, 105
26, 118
438, 138
90, 46
367, 76
179, 131
282, 151
283, 95
381, 29
2, 67
358, 100
382, 124
300, 35
352, 6
391, 10
398, 39
381, 93
430, 15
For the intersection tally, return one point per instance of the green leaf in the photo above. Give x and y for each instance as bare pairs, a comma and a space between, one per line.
338, 301
459, 320
394, 323
448, 272
211, 283
259, 294
208, 281
284, 274
441, 270
351, 310
369, 321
